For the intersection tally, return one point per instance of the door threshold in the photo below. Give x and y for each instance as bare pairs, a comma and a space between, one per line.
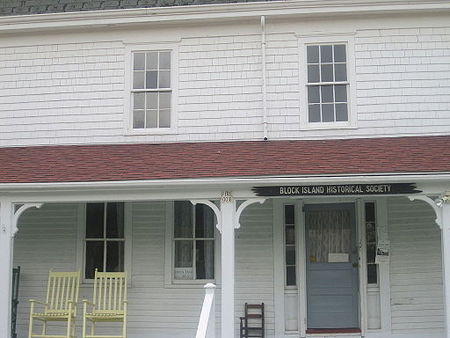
346, 331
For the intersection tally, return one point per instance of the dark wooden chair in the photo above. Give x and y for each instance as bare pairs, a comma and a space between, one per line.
14, 300
252, 324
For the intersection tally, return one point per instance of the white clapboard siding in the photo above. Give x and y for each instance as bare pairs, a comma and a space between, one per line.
47, 239
71, 91
416, 272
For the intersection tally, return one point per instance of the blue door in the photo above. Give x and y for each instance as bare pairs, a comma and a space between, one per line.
331, 267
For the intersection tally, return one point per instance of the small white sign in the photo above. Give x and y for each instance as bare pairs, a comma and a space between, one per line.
184, 273
338, 258
383, 248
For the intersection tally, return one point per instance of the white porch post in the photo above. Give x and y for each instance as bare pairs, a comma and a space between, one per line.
446, 262
227, 208
6, 235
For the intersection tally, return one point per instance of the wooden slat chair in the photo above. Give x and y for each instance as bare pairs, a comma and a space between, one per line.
252, 324
14, 300
60, 304
109, 302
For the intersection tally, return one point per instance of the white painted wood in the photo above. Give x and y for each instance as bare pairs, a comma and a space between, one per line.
362, 264
415, 269
384, 268
206, 327
69, 88
445, 234
302, 318
6, 245
228, 211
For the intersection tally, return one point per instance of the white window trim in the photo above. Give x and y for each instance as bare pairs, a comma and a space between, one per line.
128, 111
347, 39
81, 243
169, 281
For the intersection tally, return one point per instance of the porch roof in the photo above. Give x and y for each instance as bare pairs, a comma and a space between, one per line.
131, 162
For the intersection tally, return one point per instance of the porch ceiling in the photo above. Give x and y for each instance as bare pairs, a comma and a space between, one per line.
133, 162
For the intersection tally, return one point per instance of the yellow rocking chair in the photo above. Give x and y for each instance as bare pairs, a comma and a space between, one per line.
109, 303
60, 304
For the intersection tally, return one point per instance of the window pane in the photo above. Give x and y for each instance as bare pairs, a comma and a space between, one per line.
204, 262
164, 100
341, 112
115, 256
327, 73
339, 53
313, 94
164, 79
290, 276
151, 120
370, 212
314, 113
312, 54
340, 93
139, 61
114, 220
138, 100
152, 61
204, 221
151, 79
138, 119
326, 53
371, 250
341, 72
164, 118
327, 93
138, 80
152, 100
290, 235
372, 274
313, 73
183, 254
289, 211
164, 60
183, 219
94, 258
290, 255
328, 113
94, 220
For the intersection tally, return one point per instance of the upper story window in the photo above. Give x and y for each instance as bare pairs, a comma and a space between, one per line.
151, 89
327, 83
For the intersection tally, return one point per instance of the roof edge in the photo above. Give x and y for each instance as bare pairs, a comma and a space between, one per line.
228, 11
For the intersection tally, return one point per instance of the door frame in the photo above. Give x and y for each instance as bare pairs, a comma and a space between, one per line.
279, 268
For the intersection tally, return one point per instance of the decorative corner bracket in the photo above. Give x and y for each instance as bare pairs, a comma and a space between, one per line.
19, 212
433, 204
214, 208
244, 205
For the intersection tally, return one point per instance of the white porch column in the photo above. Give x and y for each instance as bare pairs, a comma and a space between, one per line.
6, 235
227, 208
227, 221
446, 262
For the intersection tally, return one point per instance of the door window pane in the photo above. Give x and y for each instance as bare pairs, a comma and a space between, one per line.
95, 213
114, 256
204, 259
94, 258
115, 217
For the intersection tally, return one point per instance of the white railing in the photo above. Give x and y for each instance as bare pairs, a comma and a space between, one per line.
206, 325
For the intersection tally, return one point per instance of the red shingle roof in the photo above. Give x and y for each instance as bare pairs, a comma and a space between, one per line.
224, 159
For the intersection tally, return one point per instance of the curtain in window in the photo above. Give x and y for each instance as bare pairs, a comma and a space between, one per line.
329, 231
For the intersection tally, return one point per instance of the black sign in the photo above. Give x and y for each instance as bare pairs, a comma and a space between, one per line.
340, 189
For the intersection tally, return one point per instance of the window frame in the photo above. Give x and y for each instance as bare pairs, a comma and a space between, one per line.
169, 259
130, 50
346, 39
81, 242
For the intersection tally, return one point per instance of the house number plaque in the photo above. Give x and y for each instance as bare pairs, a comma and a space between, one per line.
337, 190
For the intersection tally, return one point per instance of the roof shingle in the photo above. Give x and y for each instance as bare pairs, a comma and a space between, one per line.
224, 159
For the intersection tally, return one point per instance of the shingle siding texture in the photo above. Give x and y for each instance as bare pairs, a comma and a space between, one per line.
14, 7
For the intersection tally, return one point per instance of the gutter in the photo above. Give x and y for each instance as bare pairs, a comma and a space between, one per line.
302, 8
239, 182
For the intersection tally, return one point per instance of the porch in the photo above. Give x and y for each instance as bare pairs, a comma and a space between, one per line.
405, 299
